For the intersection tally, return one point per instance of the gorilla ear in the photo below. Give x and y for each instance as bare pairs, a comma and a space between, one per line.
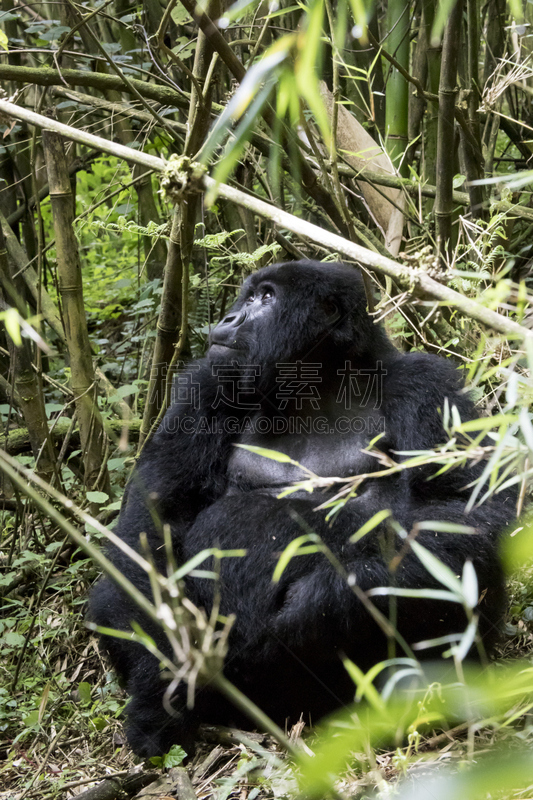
332, 311
338, 321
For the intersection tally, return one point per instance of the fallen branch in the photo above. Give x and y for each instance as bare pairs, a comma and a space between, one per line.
120, 786
46, 76
18, 440
415, 281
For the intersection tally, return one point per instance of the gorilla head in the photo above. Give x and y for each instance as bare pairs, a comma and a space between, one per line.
298, 310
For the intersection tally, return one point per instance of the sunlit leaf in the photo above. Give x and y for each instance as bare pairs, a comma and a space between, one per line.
444, 527
274, 455
12, 323
295, 548
372, 523
524, 419
365, 687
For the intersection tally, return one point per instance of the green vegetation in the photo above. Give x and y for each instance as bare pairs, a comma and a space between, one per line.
402, 128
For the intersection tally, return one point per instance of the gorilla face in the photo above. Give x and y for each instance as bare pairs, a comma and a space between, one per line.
283, 313
248, 321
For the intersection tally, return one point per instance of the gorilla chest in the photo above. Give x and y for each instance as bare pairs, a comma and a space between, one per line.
328, 446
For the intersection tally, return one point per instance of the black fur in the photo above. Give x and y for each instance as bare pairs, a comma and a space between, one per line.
285, 644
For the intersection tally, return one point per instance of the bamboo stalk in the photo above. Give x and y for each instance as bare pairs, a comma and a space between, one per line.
71, 293
472, 163
446, 130
433, 55
416, 281
397, 96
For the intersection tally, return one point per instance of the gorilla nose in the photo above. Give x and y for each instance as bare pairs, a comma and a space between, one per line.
226, 329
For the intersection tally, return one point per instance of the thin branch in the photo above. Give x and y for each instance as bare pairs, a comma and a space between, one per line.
415, 281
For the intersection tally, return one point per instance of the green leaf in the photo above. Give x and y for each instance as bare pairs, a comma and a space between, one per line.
310, 46
470, 585
486, 423
527, 428
444, 527
3, 41
12, 323
13, 639
174, 757
84, 691
97, 497
430, 594
180, 15
32, 719
126, 390
365, 687
372, 523
295, 548
54, 33
266, 453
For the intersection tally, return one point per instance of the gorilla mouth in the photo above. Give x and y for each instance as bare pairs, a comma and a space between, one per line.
217, 346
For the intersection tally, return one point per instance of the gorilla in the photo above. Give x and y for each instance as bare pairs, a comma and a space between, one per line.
299, 367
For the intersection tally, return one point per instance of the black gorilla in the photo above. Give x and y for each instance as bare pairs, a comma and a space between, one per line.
299, 367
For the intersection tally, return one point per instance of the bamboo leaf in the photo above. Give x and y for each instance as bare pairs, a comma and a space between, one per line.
12, 323
372, 523
295, 548
438, 569
274, 455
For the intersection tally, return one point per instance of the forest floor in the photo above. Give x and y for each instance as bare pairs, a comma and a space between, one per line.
61, 734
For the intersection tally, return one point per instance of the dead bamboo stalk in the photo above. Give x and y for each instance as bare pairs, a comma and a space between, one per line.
167, 331
416, 281
71, 292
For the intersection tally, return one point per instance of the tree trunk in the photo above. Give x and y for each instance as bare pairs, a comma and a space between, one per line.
71, 293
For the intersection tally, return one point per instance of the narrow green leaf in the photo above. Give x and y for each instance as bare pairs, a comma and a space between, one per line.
435, 567
432, 594
266, 453
444, 527
365, 687
372, 523
293, 549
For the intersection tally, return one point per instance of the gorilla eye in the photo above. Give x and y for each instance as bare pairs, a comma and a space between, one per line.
249, 299
268, 294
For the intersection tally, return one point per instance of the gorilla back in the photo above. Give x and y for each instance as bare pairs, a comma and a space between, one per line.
299, 367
